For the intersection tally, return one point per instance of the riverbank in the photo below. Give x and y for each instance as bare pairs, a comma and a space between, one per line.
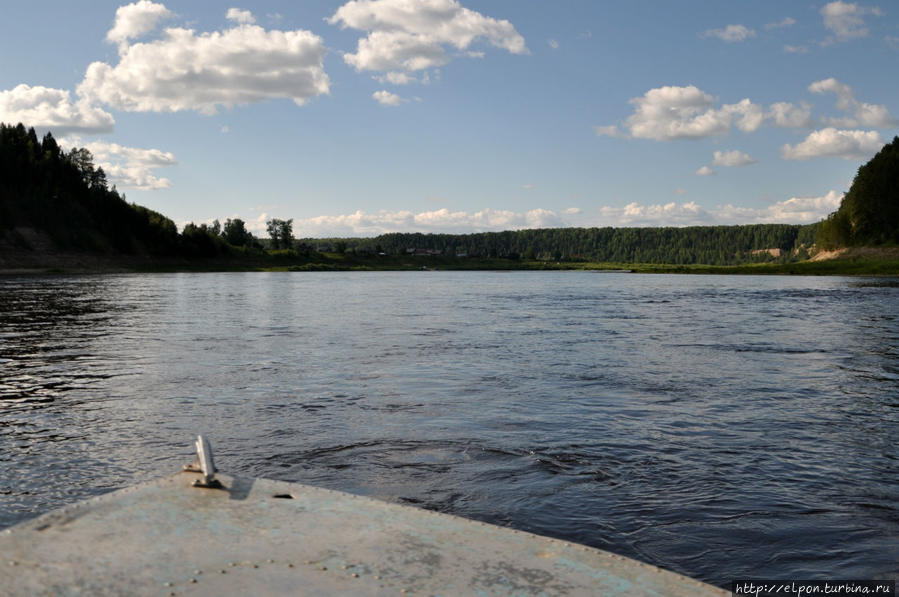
862, 261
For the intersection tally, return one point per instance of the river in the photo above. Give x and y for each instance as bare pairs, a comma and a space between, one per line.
719, 426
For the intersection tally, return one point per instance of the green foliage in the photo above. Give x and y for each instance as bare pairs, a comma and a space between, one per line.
67, 197
203, 240
869, 213
721, 245
281, 233
235, 233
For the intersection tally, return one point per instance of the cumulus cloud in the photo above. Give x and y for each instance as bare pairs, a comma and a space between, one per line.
831, 142
795, 49
413, 35
847, 20
795, 210
48, 109
863, 114
668, 113
705, 171
553, 44
731, 33
127, 167
668, 214
397, 78
186, 70
242, 17
785, 22
443, 220
732, 159
385, 98
136, 19
787, 115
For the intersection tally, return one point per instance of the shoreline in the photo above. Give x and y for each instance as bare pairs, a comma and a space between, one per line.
859, 261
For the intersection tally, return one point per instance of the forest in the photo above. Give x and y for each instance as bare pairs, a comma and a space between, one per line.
711, 245
869, 213
67, 197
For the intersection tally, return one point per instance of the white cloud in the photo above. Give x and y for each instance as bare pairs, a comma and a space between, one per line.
189, 71
680, 191
668, 214
732, 159
412, 35
242, 17
892, 41
385, 98
786, 22
705, 171
553, 44
795, 49
795, 210
127, 167
864, 114
668, 113
787, 115
136, 19
846, 20
831, 142
395, 78
608, 131
48, 109
442, 220
731, 33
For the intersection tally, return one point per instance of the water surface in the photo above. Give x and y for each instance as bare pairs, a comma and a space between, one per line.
718, 426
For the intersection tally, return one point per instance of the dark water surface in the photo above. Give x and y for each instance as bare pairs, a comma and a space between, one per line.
718, 426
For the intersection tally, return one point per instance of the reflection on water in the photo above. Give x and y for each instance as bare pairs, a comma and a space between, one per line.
720, 426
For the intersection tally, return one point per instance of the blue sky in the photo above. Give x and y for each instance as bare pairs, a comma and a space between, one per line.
369, 116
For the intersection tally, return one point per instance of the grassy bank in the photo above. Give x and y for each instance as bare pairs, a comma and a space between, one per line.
857, 262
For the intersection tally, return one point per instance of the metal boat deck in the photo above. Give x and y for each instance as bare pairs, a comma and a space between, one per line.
245, 536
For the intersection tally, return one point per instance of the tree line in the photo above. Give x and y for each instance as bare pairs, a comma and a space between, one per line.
713, 245
66, 195
869, 212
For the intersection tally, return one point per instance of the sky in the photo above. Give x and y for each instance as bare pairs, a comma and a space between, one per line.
360, 117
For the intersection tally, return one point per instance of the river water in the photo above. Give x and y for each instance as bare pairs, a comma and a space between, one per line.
722, 427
